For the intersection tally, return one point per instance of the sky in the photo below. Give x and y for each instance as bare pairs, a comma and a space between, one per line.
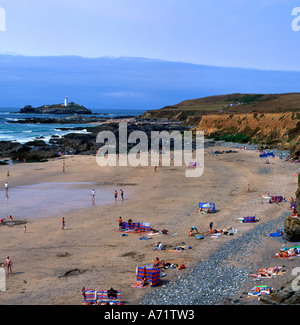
256, 34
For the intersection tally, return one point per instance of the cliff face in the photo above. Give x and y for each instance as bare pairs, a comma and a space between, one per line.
277, 128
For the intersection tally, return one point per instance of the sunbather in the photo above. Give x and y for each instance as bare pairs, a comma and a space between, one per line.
141, 283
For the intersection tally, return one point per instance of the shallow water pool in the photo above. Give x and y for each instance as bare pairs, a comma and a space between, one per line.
50, 199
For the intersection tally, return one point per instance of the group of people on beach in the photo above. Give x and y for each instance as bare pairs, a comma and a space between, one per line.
121, 194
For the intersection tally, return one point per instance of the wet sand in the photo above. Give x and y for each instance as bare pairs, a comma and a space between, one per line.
91, 244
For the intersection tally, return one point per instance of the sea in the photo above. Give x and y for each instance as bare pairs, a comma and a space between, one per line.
23, 133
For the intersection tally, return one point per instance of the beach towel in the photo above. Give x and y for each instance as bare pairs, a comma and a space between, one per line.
278, 233
260, 290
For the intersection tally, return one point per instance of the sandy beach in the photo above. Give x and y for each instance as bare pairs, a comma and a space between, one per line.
51, 265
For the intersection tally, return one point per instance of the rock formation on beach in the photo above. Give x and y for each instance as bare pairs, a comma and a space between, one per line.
70, 108
292, 224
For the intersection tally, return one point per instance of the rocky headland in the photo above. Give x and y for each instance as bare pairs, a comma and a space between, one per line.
70, 108
268, 120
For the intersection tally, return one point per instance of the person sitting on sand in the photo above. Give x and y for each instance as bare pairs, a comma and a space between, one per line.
159, 246
141, 283
158, 264
129, 223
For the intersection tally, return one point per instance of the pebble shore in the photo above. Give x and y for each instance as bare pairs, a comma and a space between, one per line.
211, 281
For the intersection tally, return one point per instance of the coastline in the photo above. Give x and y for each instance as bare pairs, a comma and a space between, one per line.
92, 245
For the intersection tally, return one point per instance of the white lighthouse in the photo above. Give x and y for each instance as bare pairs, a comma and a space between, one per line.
66, 101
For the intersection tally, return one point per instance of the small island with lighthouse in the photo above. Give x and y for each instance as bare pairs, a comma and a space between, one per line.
65, 108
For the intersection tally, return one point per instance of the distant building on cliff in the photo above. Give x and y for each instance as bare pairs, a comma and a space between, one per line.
66, 101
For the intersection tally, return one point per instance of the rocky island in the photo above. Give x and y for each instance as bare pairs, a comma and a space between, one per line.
66, 108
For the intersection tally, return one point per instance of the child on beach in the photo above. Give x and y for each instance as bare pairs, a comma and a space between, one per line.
63, 223
116, 194
120, 224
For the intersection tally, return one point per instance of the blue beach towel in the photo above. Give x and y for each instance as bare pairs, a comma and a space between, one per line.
277, 233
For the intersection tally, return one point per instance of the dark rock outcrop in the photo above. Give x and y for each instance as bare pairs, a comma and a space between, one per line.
288, 294
292, 223
71, 108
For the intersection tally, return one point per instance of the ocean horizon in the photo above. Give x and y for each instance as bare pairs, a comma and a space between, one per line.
23, 133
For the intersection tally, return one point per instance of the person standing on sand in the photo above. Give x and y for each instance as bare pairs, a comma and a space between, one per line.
248, 188
8, 263
63, 223
210, 227
64, 165
116, 195
120, 223
122, 194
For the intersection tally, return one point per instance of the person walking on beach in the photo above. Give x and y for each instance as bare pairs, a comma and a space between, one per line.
93, 197
248, 188
64, 165
8, 264
63, 223
116, 195
122, 194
